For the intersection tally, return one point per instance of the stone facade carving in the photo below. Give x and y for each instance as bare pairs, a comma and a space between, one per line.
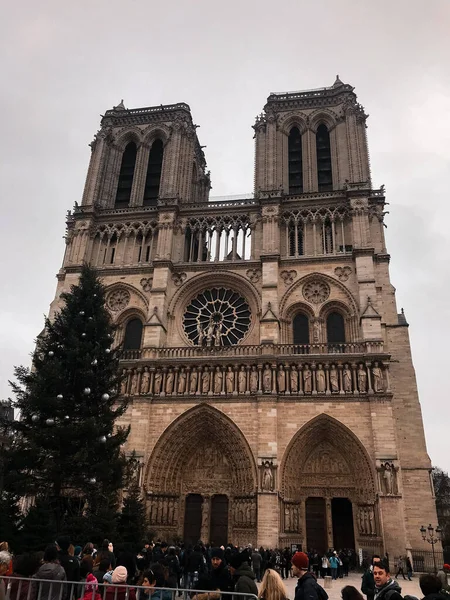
254, 275
267, 476
118, 299
163, 510
366, 520
316, 291
291, 517
244, 512
389, 479
146, 283
179, 278
288, 276
284, 378
343, 273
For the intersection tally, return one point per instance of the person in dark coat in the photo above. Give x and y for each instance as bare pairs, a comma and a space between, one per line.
218, 580
70, 564
431, 587
307, 587
386, 588
242, 574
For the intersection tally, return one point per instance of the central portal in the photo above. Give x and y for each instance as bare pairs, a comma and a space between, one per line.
342, 517
316, 521
193, 518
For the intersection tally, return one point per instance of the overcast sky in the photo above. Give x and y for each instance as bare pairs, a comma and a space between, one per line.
64, 63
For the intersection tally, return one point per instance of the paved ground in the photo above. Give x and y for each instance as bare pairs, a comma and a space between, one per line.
408, 587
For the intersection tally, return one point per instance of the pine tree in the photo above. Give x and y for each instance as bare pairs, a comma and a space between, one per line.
132, 522
66, 449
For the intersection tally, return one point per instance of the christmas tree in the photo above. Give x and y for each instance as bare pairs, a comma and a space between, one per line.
132, 521
66, 450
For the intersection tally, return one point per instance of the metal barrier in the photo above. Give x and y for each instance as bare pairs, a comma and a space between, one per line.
24, 588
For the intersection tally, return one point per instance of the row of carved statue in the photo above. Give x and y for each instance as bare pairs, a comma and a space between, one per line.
367, 520
244, 512
163, 510
291, 518
245, 379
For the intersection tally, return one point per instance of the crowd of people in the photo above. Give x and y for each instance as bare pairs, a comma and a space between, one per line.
161, 572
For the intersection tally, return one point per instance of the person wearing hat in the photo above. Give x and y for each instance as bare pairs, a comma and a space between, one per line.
242, 574
218, 580
307, 587
69, 563
118, 589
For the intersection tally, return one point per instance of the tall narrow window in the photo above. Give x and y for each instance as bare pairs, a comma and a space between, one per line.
301, 329
295, 162
126, 175
327, 237
323, 150
133, 335
295, 233
154, 168
335, 328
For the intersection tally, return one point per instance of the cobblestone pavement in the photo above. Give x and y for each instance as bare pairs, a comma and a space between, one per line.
408, 587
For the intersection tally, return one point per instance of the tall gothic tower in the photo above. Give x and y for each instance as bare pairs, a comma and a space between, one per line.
272, 393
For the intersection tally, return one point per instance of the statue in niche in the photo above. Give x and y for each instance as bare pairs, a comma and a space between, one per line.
366, 520
242, 380
347, 378
362, 378
334, 379
253, 513
169, 382
158, 510
307, 378
295, 524
158, 381
134, 381
267, 379
205, 380
293, 379
218, 380
218, 334
124, 383
361, 521
287, 519
171, 512
372, 521
229, 380
281, 380
182, 381
377, 374
210, 332
193, 381
145, 381
267, 477
248, 513
320, 378
201, 334
388, 477
254, 380
316, 331
240, 514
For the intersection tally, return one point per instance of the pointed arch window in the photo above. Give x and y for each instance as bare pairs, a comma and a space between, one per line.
295, 161
335, 328
126, 175
300, 327
323, 150
154, 170
133, 335
295, 233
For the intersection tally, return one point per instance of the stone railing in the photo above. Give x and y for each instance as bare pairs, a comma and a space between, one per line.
326, 376
264, 349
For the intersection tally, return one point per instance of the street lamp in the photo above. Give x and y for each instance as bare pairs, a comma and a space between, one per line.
432, 536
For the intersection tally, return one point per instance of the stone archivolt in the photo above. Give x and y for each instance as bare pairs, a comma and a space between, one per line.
325, 459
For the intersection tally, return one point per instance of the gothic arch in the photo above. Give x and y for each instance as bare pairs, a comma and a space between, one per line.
124, 137
202, 281
350, 475
184, 439
290, 297
295, 120
328, 117
152, 133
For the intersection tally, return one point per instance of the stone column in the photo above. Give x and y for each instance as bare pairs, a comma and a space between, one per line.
329, 523
206, 519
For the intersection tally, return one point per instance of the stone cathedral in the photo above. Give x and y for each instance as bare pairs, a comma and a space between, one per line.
272, 396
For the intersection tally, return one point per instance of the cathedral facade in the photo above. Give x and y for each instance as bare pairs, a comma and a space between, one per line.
272, 396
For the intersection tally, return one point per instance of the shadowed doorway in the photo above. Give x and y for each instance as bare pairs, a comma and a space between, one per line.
342, 516
316, 531
193, 518
219, 520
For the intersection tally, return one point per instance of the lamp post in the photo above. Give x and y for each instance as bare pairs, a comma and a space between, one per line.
432, 536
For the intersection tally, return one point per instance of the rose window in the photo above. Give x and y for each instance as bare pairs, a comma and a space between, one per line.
118, 299
217, 317
316, 291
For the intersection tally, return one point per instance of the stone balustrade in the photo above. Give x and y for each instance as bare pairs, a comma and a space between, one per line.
263, 349
326, 377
